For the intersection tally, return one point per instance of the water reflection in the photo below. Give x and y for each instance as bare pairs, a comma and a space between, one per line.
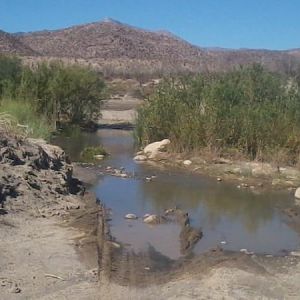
225, 213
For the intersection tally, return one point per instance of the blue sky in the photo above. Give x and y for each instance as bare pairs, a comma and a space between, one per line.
271, 24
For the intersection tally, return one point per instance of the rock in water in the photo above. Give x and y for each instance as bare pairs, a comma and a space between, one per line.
189, 237
153, 149
140, 157
131, 217
297, 193
99, 156
152, 219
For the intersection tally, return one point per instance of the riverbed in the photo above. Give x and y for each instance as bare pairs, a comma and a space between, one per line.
231, 218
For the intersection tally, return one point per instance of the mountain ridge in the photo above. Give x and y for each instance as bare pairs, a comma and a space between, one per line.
112, 44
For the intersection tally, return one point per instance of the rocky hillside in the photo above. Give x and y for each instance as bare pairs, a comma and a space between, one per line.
12, 45
112, 46
110, 40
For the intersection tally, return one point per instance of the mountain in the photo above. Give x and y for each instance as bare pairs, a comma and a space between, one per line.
12, 45
120, 48
109, 40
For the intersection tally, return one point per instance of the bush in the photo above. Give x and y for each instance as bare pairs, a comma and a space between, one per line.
89, 153
249, 109
54, 91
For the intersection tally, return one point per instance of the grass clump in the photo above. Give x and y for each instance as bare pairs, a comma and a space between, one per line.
89, 153
19, 117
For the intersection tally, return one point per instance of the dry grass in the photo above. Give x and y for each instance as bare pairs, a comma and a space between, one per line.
10, 126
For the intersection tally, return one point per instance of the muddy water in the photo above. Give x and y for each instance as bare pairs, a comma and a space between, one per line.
230, 217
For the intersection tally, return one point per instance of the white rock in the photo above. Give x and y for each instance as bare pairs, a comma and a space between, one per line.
153, 149
140, 157
297, 193
99, 156
187, 162
295, 253
152, 219
246, 251
131, 217
114, 244
146, 216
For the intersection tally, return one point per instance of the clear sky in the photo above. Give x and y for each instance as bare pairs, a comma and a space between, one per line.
272, 24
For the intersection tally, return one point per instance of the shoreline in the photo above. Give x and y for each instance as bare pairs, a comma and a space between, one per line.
48, 248
243, 173
67, 252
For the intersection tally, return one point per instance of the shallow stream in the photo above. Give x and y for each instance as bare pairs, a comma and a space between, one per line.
229, 217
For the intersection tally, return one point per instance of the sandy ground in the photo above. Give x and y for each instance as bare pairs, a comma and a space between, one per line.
118, 111
48, 258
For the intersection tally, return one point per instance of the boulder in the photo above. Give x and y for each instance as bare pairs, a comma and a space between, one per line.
297, 193
131, 217
187, 162
50, 156
153, 149
152, 219
140, 157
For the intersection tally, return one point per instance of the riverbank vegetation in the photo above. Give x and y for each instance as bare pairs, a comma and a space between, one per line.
249, 111
90, 154
41, 97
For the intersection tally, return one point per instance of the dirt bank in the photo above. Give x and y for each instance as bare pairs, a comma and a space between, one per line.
47, 244
245, 174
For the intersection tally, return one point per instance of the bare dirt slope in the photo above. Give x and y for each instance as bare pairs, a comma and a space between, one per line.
119, 111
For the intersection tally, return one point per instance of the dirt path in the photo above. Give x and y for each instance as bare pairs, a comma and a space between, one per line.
39, 261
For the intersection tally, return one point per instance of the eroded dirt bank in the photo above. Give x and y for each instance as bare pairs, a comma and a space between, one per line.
46, 225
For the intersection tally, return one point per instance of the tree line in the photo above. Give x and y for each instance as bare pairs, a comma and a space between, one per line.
54, 91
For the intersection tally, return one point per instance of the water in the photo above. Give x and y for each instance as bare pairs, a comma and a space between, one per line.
240, 217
